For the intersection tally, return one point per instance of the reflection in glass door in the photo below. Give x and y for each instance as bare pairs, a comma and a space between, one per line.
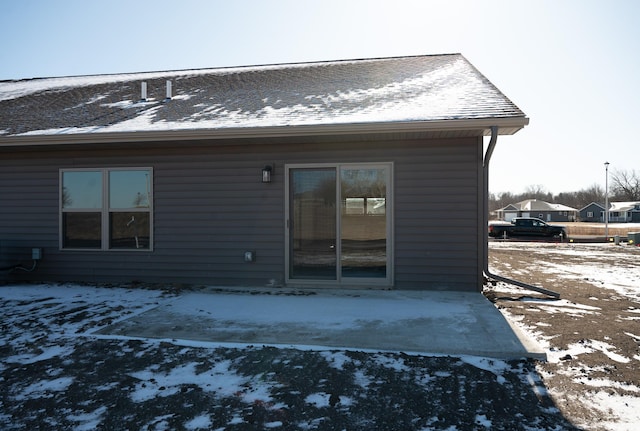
339, 223
363, 222
312, 224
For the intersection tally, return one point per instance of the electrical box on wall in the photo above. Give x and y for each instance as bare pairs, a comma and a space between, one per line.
36, 253
249, 256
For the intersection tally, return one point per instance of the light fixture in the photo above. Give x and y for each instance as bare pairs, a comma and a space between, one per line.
266, 174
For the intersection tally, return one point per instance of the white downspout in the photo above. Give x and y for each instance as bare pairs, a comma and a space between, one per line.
485, 221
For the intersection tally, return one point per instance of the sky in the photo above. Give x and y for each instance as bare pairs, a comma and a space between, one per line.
573, 66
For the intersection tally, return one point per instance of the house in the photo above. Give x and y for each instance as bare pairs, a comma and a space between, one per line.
507, 213
594, 212
540, 209
335, 174
624, 212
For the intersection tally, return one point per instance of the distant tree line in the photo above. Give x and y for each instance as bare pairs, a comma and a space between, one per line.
624, 186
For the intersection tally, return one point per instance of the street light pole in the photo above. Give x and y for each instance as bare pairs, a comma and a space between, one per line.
606, 201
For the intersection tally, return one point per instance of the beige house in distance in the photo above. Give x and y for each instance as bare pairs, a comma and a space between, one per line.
539, 209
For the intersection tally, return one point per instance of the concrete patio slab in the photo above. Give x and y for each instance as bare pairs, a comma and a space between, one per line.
432, 323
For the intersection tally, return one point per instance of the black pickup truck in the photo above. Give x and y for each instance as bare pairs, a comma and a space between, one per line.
526, 227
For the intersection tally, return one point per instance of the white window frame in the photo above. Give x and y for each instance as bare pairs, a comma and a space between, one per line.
105, 210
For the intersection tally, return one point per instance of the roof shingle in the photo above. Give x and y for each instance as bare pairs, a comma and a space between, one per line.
399, 89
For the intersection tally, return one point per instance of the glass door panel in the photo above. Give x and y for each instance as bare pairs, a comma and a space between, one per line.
312, 224
363, 222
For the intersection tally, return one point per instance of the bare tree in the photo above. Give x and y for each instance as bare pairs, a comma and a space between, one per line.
66, 198
536, 191
579, 199
500, 200
625, 185
570, 199
584, 197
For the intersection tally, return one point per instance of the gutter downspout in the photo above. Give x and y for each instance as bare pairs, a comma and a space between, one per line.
485, 178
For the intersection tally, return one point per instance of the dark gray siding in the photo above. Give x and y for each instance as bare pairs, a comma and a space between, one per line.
437, 216
595, 209
210, 206
28, 210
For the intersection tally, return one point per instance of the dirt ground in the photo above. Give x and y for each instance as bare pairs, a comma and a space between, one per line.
56, 373
592, 332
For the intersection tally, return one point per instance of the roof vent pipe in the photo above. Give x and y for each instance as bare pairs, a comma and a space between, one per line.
143, 91
168, 90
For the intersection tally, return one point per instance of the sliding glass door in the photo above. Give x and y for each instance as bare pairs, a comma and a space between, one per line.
312, 224
339, 224
363, 222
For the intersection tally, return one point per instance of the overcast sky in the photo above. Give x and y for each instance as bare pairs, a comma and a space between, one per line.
573, 66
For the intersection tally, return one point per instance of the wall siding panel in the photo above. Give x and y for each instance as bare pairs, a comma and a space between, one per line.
210, 207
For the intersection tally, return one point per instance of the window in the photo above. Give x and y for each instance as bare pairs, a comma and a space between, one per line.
338, 223
364, 206
589, 214
106, 209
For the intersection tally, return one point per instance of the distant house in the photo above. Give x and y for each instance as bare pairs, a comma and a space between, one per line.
594, 212
540, 209
624, 212
329, 174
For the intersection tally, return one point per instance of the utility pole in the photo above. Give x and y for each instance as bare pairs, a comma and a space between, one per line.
606, 201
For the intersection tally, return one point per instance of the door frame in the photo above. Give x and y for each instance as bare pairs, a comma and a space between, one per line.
340, 281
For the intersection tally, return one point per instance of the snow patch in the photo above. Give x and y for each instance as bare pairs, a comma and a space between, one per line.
45, 388
199, 423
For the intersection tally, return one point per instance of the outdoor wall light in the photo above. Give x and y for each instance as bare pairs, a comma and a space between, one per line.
266, 174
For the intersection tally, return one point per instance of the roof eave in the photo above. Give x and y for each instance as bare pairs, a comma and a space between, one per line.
506, 126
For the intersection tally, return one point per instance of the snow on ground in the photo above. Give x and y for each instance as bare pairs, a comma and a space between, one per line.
51, 355
68, 311
48, 324
607, 267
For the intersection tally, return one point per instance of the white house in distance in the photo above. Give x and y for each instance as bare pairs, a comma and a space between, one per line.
540, 209
624, 212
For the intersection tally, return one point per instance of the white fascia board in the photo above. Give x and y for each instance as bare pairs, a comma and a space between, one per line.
506, 126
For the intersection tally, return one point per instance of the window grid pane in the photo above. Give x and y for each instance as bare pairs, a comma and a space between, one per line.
129, 230
129, 189
82, 230
82, 189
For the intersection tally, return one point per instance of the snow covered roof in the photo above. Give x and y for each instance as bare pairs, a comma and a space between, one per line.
536, 205
443, 91
624, 206
592, 204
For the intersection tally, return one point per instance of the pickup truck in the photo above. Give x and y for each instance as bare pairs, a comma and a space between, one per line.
526, 227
